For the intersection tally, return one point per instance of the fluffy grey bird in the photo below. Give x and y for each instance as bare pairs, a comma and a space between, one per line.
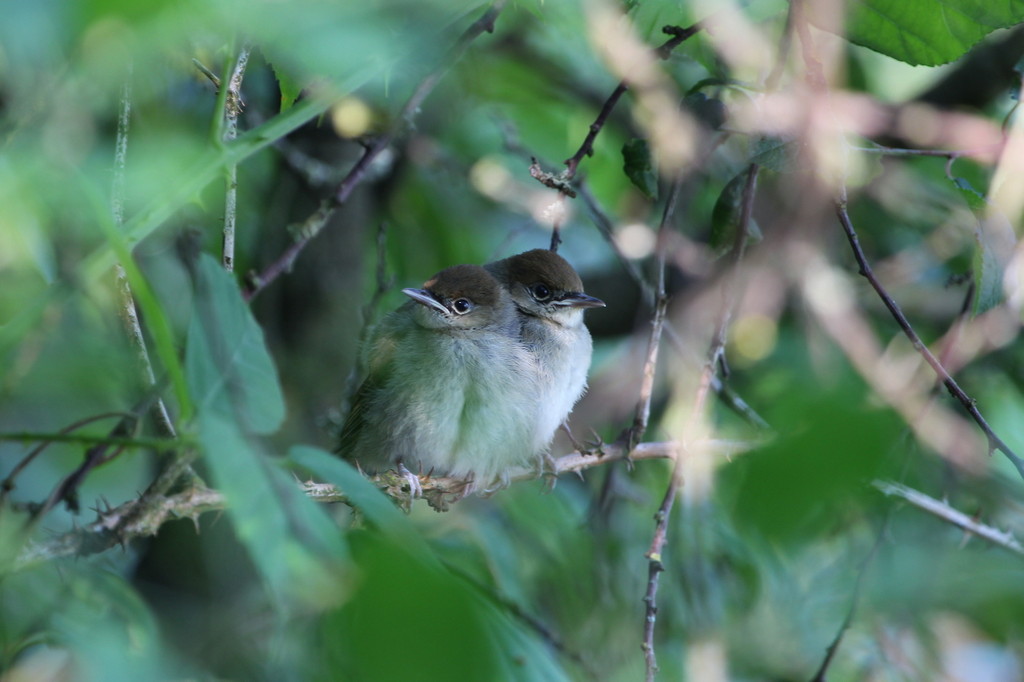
451, 389
548, 294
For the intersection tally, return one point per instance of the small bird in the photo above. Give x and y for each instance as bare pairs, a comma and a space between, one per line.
450, 388
548, 293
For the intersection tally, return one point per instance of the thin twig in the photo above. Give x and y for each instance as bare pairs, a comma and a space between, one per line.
232, 110
562, 182
531, 621
968, 403
771, 83
711, 365
97, 455
643, 408
587, 148
383, 280
128, 312
1003, 539
946, 352
135, 519
724, 391
816, 79
384, 284
833, 647
45, 441
679, 35
358, 172
120, 436
206, 72
144, 516
85, 438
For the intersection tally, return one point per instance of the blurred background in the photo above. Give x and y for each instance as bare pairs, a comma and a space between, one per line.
115, 148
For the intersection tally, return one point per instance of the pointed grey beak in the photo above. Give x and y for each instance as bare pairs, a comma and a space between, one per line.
577, 300
424, 297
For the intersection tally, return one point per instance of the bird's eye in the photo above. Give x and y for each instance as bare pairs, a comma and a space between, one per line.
540, 292
462, 305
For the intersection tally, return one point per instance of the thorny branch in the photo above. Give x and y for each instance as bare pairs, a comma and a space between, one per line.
127, 309
816, 79
563, 181
97, 455
176, 464
232, 110
143, 517
679, 35
8, 483
118, 526
316, 222
643, 410
969, 404
833, 647
948, 514
713, 362
723, 390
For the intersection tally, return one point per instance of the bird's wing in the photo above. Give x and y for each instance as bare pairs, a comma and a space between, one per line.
382, 346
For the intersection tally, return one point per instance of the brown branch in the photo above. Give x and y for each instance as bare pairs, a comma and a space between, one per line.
635, 433
128, 312
232, 110
562, 182
679, 35
143, 517
724, 392
1003, 539
48, 439
440, 491
206, 72
968, 403
714, 361
97, 455
131, 520
531, 621
358, 172
833, 647
587, 148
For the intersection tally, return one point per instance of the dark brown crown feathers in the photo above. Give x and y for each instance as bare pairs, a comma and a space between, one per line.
541, 265
468, 281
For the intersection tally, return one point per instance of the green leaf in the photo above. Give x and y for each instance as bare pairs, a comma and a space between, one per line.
410, 615
988, 262
639, 167
289, 86
710, 111
727, 215
377, 507
404, 595
796, 488
927, 32
228, 367
108, 628
776, 154
295, 546
189, 183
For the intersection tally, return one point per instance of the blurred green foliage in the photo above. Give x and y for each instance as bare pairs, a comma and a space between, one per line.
766, 552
